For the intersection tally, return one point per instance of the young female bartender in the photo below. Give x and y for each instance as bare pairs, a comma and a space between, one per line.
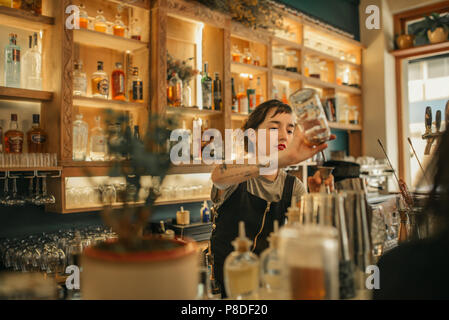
240, 193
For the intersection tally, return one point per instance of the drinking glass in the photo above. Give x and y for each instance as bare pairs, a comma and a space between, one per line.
16, 199
46, 198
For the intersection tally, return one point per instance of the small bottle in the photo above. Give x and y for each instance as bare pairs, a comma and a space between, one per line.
174, 93
242, 100
26, 64
34, 66
36, 137
205, 213
98, 142
251, 93
100, 22
119, 27
241, 268
235, 101
136, 30
217, 92
83, 17
270, 264
284, 95
80, 138
247, 56
79, 79
118, 82
12, 63
2, 125
206, 86
100, 82
259, 96
13, 137
136, 91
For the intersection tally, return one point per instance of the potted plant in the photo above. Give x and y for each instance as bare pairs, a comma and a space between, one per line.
436, 27
185, 72
135, 266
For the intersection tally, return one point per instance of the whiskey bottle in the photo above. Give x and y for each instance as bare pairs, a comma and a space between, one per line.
136, 91
206, 86
235, 101
100, 82
79, 79
36, 137
98, 142
12, 63
217, 92
13, 137
118, 83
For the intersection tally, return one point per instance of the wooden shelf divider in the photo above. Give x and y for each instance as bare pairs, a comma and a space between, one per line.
19, 94
421, 50
99, 39
105, 103
24, 19
193, 110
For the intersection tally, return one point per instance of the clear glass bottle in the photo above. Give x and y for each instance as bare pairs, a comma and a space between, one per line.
247, 57
186, 100
84, 18
13, 137
270, 264
34, 66
119, 27
236, 54
100, 82
136, 30
292, 61
79, 79
12, 63
241, 269
100, 24
98, 142
136, 90
80, 138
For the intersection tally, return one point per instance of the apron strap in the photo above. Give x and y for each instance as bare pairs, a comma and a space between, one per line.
288, 189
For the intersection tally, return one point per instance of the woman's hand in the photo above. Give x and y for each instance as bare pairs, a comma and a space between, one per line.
314, 182
298, 151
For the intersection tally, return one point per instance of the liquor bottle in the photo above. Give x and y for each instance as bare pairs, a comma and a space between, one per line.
136, 30
100, 82
13, 137
251, 93
241, 268
100, 22
79, 79
2, 124
119, 27
16, 4
118, 82
235, 101
31, 66
98, 142
80, 138
83, 17
12, 63
136, 90
206, 86
242, 100
284, 95
174, 91
36, 137
271, 265
217, 92
259, 96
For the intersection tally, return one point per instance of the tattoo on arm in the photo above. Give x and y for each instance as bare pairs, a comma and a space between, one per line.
223, 168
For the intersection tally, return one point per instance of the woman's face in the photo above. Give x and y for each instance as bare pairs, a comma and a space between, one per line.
283, 123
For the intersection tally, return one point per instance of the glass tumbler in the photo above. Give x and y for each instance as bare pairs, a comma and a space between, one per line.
310, 116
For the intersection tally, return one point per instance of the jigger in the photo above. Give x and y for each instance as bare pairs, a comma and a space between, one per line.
325, 172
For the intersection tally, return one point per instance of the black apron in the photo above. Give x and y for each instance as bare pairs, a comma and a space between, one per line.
258, 215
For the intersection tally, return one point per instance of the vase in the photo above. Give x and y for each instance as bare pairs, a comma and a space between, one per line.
186, 99
162, 274
438, 35
405, 41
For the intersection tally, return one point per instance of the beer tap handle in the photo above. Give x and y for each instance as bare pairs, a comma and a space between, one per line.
438, 120
428, 120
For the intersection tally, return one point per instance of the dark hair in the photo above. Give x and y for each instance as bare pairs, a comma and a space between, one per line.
260, 113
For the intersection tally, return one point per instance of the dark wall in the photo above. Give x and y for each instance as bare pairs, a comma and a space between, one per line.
342, 14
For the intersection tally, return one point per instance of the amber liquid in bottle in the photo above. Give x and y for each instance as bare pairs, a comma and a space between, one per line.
118, 83
13, 137
36, 137
307, 283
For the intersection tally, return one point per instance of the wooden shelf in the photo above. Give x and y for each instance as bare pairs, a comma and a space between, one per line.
420, 50
30, 169
311, 51
322, 84
24, 19
279, 42
192, 110
344, 126
286, 75
239, 116
238, 67
348, 89
191, 168
99, 39
105, 103
18, 94
191, 200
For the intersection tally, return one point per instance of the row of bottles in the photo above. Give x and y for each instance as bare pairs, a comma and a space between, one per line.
34, 6
246, 57
121, 89
246, 101
12, 140
94, 146
23, 71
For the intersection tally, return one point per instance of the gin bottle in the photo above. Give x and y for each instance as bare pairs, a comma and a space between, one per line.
79, 79
33, 66
100, 82
12, 63
80, 135
98, 142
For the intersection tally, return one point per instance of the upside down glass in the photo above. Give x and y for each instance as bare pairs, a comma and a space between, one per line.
310, 116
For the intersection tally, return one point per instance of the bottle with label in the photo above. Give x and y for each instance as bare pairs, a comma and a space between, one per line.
100, 22
259, 96
174, 91
217, 92
251, 93
36, 137
98, 142
270, 265
119, 27
241, 268
13, 137
2, 125
12, 63
80, 138
79, 79
118, 82
84, 18
100, 82
206, 86
32, 66
242, 100
235, 101
136, 90
205, 213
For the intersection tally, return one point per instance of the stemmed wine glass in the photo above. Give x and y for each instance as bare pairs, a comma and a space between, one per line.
5, 198
16, 199
46, 198
29, 198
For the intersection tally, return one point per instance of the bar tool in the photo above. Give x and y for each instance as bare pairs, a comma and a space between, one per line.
417, 159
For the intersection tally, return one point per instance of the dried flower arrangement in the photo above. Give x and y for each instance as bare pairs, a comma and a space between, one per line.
181, 67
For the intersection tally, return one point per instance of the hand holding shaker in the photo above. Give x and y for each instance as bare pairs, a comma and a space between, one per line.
310, 116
